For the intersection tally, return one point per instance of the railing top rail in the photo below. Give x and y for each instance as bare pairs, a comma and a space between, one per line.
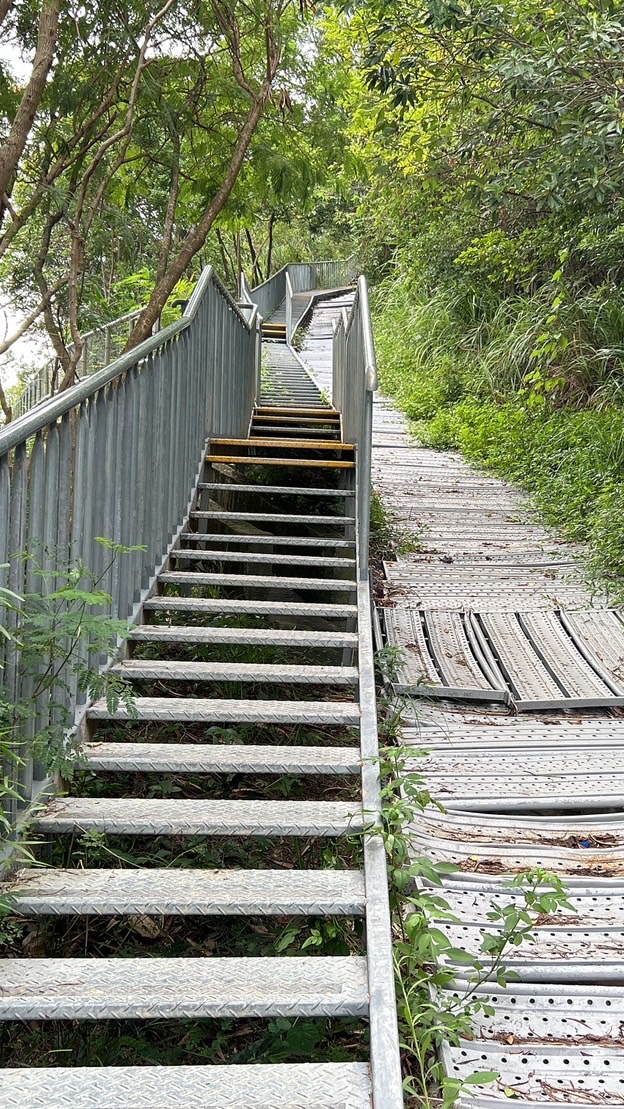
45, 413
112, 323
291, 265
256, 288
346, 321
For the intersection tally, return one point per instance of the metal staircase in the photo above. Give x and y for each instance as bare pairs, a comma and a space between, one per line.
267, 559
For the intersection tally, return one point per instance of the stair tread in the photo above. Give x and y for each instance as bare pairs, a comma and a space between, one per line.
262, 559
269, 490
329, 419
193, 892
296, 431
271, 517
318, 410
185, 709
253, 581
219, 758
247, 460
153, 816
179, 670
269, 637
253, 1085
248, 607
268, 540
302, 444
128, 988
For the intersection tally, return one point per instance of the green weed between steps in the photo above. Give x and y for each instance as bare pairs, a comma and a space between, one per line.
530, 388
433, 1011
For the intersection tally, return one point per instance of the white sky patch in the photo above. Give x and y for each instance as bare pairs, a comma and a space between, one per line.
33, 349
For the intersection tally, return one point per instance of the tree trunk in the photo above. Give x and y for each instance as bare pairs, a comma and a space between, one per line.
13, 147
270, 246
226, 261
197, 236
255, 261
5, 7
172, 205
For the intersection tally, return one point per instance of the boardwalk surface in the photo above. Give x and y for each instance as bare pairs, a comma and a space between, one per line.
513, 674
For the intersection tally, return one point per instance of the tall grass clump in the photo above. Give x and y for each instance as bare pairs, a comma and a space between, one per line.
529, 386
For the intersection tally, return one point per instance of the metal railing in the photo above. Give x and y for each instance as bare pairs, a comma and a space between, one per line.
303, 277
101, 346
117, 456
354, 380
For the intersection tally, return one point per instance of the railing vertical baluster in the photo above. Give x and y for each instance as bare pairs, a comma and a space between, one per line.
130, 535
8, 767
118, 507
142, 472
79, 542
17, 580
115, 456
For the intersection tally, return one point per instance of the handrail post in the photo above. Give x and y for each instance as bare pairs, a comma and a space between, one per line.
289, 299
258, 358
245, 295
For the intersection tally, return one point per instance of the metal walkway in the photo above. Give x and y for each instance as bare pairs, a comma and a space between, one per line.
493, 618
266, 563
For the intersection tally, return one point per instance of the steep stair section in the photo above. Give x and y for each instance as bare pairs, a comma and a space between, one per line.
265, 566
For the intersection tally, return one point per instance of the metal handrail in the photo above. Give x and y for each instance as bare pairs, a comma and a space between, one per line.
36, 419
116, 456
39, 386
289, 308
303, 276
354, 380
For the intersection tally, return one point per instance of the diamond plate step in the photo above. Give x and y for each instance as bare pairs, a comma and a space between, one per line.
252, 557
226, 606
187, 892
288, 444
249, 581
201, 709
214, 758
153, 817
268, 540
272, 517
165, 670
265, 637
270, 490
316, 463
279, 410
297, 432
252, 1086
331, 418
156, 988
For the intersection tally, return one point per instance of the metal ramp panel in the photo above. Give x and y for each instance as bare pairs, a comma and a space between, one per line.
532, 660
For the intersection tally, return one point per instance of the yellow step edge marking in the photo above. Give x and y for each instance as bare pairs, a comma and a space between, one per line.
315, 462
262, 408
295, 419
306, 444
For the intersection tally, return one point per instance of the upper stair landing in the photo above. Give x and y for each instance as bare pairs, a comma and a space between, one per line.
285, 381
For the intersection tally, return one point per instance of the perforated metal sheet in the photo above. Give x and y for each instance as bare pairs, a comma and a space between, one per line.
537, 1074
